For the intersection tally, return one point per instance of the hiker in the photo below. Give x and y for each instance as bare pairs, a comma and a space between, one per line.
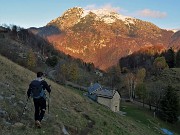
37, 91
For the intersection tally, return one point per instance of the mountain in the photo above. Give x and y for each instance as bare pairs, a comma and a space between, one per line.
102, 36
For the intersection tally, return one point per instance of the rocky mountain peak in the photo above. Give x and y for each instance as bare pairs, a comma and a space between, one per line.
103, 36
76, 14
68, 19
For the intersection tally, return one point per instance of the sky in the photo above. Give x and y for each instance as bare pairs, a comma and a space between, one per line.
37, 13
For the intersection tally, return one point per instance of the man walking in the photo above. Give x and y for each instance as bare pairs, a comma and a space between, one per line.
37, 91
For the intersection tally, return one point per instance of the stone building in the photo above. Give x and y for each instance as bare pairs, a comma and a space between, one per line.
109, 98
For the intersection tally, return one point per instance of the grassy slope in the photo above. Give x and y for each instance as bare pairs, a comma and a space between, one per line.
68, 107
142, 115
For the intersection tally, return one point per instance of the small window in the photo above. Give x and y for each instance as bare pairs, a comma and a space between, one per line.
115, 108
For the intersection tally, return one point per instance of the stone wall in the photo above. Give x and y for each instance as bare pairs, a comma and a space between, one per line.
104, 101
113, 103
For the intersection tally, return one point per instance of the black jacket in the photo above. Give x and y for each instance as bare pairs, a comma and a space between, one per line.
45, 86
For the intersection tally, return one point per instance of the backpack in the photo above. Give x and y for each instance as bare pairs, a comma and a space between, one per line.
37, 89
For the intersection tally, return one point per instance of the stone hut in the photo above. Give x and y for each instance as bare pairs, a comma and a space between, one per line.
109, 98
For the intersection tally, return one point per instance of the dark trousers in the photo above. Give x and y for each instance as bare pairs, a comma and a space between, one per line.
40, 108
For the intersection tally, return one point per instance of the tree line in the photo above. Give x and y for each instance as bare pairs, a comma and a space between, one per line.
134, 75
146, 60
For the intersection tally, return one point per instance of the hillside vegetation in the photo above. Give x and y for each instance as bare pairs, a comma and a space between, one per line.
169, 76
69, 110
36, 54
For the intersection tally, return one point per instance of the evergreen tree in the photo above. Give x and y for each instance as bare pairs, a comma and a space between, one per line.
14, 30
178, 59
52, 61
169, 105
170, 58
114, 74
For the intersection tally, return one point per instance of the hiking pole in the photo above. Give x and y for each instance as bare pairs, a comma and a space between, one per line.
48, 102
24, 109
49, 99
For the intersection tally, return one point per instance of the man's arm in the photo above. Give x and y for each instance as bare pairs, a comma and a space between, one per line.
46, 86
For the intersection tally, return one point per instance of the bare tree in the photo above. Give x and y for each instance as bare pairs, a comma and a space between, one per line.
130, 81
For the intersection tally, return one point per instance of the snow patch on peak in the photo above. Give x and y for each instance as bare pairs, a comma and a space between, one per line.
85, 12
108, 20
173, 30
102, 12
108, 16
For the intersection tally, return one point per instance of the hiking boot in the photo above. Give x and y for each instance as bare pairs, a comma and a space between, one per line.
38, 124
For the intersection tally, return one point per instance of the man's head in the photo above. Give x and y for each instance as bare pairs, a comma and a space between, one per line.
39, 74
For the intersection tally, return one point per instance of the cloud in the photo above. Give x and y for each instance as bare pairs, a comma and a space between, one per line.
151, 13
106, 6
111, 8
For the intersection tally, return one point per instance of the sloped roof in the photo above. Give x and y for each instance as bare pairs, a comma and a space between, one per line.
101, 92
94, 88
105, 93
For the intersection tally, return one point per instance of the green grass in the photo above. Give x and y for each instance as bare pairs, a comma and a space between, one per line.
146, 117
137, 113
